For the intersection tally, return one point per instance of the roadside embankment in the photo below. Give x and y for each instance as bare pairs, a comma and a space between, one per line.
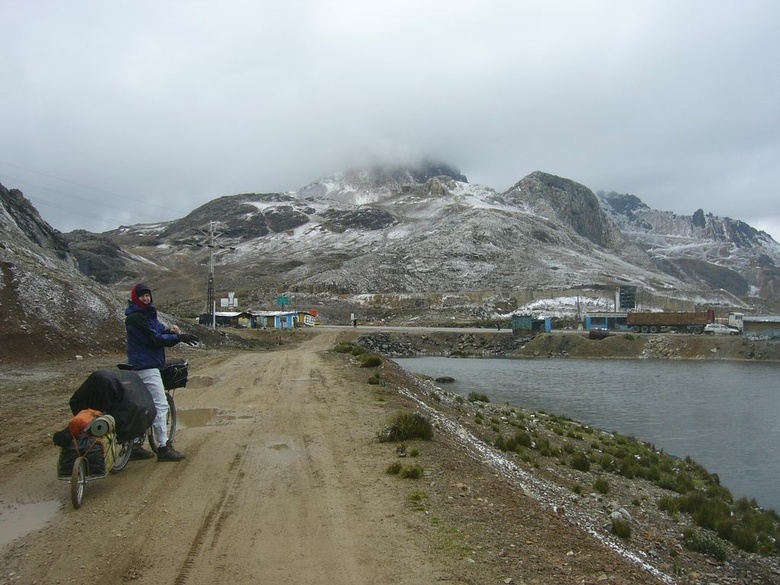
574, 344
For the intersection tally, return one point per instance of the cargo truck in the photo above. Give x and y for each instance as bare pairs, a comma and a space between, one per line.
736, 319
669, 321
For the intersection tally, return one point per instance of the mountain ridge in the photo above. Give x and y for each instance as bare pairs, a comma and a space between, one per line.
396, 244
380, 226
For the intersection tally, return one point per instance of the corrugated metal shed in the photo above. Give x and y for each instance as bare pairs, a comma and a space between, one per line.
761, 326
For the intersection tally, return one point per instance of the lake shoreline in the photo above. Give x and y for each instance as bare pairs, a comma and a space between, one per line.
574, 344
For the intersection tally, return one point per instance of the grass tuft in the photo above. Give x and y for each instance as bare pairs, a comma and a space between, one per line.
414, 471
406, 426
478, 397
700, 542
370, 360
621, 528
601, 485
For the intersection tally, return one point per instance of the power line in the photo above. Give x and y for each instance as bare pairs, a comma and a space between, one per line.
69, 208
88, 210
90, 200
57, 178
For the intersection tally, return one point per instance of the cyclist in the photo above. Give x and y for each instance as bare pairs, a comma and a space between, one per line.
147, 339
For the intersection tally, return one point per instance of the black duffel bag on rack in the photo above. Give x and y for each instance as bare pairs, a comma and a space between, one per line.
123, 395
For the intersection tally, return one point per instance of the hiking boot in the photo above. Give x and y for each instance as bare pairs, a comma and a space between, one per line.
139, 452
168, 453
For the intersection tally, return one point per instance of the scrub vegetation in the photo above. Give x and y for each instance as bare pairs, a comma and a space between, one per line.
628, 489
406, 426
693, 490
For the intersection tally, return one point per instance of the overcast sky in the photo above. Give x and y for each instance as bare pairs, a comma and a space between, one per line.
123, 112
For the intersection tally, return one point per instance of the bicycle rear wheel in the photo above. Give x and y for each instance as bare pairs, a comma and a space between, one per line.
170, 424
78, 481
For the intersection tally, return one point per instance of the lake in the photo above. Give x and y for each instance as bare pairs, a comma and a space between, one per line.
724, 415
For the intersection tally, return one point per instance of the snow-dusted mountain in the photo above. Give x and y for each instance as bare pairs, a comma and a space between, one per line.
422, 242
47, 305
705, 248
399, 232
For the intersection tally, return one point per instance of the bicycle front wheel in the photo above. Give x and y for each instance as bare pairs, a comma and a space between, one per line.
170, 424
78, 481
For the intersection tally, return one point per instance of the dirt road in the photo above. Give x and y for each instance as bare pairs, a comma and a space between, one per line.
282, 486
285, 483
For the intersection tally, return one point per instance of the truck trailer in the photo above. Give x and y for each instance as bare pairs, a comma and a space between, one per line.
669, 321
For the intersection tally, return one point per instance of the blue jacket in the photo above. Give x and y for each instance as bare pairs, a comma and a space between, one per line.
147, 338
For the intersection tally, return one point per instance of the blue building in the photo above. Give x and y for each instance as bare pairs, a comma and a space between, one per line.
614, 321
527, 324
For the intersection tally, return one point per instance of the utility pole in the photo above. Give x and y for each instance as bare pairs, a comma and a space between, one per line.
212, 303
211, 244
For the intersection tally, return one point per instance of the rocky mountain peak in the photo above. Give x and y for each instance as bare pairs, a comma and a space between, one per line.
18, 214
719, 252
625, 203
566, 202
365, 186
698, 219
395, 176
633, 216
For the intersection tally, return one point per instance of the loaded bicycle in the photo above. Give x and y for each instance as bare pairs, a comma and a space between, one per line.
113, 412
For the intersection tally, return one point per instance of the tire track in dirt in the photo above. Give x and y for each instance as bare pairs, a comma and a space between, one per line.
212, 524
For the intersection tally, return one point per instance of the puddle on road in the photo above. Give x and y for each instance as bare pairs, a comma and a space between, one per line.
203, 417
200, 381
283, 452
18, 520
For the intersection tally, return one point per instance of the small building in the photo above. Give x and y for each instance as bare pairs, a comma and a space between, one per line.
283, 319
528, 324
227, 319
761, 326
307, 318
612, 320
274, 319
262, 319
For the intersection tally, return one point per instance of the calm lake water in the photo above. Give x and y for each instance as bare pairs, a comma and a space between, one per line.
724, 415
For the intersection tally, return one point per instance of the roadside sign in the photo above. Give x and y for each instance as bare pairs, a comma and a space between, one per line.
282, 300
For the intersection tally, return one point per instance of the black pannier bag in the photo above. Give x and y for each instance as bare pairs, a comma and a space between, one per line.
88, 447
123, 395
174, 374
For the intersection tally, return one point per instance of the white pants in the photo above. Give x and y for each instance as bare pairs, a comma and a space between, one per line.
155, 386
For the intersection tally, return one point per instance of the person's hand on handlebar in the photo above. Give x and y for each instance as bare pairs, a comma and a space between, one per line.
188, 338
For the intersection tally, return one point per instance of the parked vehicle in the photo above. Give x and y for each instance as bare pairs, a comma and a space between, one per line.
668, 321
736, 320
720, 329
598, 333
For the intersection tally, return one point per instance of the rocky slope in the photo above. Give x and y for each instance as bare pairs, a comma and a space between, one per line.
48, 306
715, 251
